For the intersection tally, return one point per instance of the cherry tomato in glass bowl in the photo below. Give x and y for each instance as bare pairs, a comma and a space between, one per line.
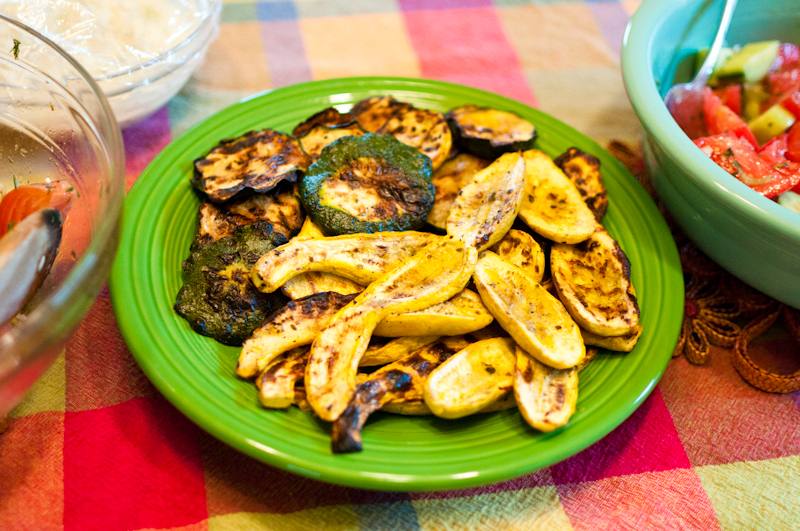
24, 200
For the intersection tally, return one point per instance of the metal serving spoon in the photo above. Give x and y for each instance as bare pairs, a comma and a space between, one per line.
685, 100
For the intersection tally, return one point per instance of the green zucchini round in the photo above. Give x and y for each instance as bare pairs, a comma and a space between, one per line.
365, 184
488, 133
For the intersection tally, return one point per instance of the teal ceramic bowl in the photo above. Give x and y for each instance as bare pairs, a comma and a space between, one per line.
751, 236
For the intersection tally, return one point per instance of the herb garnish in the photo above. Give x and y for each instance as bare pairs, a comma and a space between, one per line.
15, 49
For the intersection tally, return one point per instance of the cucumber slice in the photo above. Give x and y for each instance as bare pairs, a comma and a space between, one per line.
771, 123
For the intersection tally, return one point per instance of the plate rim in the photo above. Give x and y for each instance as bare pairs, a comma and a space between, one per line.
399, 482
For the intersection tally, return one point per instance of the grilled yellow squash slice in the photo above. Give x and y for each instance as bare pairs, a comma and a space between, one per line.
394, 350
294, 325
321, 136
546, 397
398, 382
536, 320
583, 170
276, 383
330, 117
431, 276
471, 380
616, 343
486, 207
306, 284
462, 314
593, 279
362, 258
551, 204
448, 181
519, 249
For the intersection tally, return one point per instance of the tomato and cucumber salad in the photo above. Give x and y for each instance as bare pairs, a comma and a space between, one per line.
749, 120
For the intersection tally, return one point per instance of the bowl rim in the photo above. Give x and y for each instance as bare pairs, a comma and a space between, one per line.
43, 329
637, 73
212, 17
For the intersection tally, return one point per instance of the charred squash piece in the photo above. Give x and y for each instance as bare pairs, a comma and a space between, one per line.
398, 382
431, 276
321, 136
448, 181
258, 160
394, 350
362, 258
329, 117
486, 207
294, 325
536, 320
551, 204
489, 133
277, 382
546, 397
583, 170
366, 184
623, 343
280, 211
519, 249
306, 284
593, 279
472, 379
424, 130
462, 314
591, 353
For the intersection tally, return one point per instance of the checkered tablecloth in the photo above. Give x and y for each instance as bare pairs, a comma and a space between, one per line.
95, 446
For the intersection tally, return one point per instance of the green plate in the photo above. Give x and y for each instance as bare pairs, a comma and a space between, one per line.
196, 374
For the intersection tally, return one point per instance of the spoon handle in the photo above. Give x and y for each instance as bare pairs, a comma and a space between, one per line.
716, 47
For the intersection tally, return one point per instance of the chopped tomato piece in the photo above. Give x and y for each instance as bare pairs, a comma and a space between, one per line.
731, 97
788, 57
781, 84
793, 143
791, 102
721, 119
23, 201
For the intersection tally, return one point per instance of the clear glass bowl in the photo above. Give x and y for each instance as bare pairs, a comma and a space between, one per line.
56, 123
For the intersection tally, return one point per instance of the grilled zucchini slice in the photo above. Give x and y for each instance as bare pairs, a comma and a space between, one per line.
398, 382
278, 212
433, 275
462, 314
583, 170
362, 258
320, 136
593, 279
372, 183
519, 249
551, 205
330, 117
472, 379
486, 207
424, 130
257, 160
546, 397
536, 320
448, 181
488, 133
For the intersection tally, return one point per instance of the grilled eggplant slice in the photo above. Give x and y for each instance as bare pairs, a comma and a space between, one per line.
258, 160
551, 204
462, 314
371, 183
295, 324
277, 382
431, 276
394, 350
472, 379
362, 258
546, 397
424, 130
593, 279
519, 249
329, 117
489, 133
321, 136
448, 181
616, 343
217, 298
536, 320
486, 207
281, 212
583, 170
306, 284
398, 382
